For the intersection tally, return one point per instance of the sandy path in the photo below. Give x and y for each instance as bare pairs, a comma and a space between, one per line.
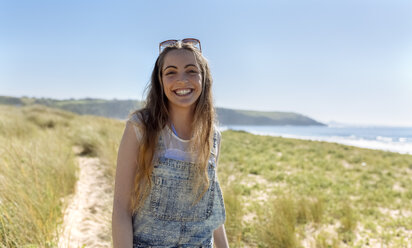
88, 215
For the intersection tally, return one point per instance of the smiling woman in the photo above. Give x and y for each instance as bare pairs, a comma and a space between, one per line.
166, 190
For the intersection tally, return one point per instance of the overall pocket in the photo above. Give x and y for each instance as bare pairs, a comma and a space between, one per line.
172, 196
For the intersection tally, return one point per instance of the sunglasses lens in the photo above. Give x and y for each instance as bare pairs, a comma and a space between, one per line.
166, 43
191, 41
194, 42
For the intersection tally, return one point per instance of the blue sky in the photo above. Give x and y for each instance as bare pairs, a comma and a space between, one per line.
346, 61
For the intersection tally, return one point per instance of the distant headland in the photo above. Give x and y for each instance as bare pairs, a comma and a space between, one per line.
119, 109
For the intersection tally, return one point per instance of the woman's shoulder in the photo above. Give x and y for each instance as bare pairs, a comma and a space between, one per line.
135, 119
138, 117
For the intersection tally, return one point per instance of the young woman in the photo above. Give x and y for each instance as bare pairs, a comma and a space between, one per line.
166, 189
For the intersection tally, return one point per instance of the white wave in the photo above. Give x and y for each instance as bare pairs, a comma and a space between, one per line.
381, 143
384, 139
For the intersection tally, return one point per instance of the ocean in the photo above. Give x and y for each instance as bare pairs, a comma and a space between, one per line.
394, 139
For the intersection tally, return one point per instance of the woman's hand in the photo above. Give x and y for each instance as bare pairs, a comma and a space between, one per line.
219, 236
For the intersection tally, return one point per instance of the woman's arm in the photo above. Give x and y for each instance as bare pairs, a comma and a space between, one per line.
122, 229
219, 235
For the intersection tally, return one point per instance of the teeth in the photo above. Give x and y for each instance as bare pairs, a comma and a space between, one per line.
183, 92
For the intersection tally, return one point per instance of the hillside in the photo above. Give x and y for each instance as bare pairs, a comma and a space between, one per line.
119, 109
245, 117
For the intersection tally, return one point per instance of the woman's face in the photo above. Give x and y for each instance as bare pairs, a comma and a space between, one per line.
182, 80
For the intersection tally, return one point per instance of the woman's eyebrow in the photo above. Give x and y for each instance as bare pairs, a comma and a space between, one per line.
170, 66
190, 65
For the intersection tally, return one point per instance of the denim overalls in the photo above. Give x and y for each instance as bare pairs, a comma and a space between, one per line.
167, 218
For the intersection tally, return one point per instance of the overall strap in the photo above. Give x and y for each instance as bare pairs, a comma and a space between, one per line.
215, 144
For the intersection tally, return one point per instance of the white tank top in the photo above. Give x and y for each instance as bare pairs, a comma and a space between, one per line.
175, 147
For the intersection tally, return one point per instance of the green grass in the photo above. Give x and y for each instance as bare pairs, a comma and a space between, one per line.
37, 169
317, 193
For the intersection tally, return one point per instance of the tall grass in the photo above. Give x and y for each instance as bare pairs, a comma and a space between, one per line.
37, 169
234, 217
277, 224
98, 136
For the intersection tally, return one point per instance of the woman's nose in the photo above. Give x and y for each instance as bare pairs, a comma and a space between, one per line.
182, 77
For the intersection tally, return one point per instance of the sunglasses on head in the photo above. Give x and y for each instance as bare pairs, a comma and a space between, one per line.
193, 41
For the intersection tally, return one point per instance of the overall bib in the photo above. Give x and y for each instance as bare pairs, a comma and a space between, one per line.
168, 217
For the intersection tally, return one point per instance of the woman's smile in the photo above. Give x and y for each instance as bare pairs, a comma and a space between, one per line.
183, 92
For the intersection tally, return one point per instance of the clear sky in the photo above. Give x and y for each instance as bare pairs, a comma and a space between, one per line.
348, 61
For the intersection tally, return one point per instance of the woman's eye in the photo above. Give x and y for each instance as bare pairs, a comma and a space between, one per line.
192, 71
170, 72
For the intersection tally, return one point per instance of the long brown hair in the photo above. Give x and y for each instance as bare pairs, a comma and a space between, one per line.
155, 115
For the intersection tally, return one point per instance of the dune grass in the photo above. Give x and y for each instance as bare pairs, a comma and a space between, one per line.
38, 168
278, 192
297, 193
